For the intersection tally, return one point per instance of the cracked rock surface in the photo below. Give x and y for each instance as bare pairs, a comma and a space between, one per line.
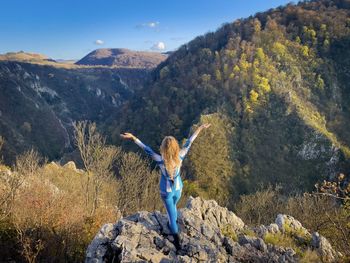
203, 224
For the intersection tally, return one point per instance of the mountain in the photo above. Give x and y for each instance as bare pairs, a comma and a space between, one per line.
40, 97
25, 57
120, 57
66, 61
274, 86
39, 102
209, 233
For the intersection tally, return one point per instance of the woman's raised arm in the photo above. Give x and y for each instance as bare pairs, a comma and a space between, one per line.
190, 140
147, 149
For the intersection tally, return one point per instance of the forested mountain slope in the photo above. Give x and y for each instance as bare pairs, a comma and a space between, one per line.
275, 86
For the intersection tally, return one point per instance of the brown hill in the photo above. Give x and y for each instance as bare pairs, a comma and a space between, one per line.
23, 56
120, 57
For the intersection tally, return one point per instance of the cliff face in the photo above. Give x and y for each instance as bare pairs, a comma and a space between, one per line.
209, 233
38, 103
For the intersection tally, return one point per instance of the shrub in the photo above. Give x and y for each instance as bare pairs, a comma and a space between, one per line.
137, 185
283, 240
45, 216
261, 207
228, 231
319, 213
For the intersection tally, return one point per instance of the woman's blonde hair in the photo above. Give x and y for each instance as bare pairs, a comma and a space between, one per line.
170, 150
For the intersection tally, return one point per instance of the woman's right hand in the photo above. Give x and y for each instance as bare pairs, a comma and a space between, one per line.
205, 126
128, 136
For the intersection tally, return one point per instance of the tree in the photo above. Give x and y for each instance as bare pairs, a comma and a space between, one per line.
260, 55
97, 158
253, 96
1, 142
27, 164
137, 186
218, 75
210, 160
279, 50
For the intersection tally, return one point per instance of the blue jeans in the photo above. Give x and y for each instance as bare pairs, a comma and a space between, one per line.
170, 200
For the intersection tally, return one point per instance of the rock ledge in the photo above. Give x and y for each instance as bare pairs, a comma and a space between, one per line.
209, 233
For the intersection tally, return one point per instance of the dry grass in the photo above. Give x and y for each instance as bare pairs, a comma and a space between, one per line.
43, 211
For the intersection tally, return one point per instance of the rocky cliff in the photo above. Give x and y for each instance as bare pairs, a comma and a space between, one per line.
209, 233
38, 103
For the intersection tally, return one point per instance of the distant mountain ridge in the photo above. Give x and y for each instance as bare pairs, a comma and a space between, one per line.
40, 97
24, 56
38, 103
121, 57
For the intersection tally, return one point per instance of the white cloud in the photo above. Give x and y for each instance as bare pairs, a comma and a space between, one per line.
99, 42
159, 46
152, 24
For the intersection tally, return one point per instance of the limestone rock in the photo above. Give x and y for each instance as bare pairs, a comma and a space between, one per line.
52, 165
262, 230
70, 165
213, 213
324, 248
289, 224
145, 237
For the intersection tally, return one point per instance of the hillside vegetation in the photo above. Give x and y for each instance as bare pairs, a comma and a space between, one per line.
50, 213
275, 87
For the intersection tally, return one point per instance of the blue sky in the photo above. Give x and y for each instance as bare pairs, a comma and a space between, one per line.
69, 29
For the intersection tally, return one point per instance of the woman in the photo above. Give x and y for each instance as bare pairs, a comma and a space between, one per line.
169, 162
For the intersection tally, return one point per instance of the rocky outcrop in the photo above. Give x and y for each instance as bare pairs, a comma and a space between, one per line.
70, 165
209, 233
327, 253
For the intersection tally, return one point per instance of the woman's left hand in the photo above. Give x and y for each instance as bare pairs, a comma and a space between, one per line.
128, 136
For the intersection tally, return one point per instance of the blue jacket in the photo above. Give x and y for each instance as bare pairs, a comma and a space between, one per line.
166, 184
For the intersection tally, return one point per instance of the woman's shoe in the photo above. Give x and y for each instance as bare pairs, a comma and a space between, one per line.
177, 241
